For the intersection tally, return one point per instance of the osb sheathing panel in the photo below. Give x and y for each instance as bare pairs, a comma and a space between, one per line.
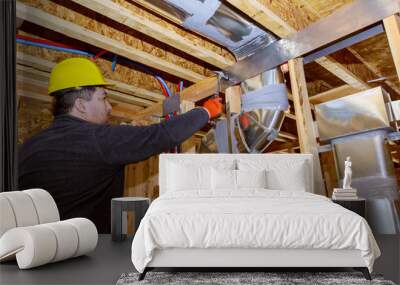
121, 73
301, 13
95, 26
192, 37
33, 116
317, 75
36, 115
325, 7
376, 52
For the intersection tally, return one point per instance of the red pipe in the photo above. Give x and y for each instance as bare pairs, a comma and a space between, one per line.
47, 42
99, 54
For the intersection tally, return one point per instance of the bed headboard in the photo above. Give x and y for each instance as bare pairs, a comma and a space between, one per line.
231, 161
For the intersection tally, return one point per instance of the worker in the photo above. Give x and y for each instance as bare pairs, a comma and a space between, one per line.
79, 159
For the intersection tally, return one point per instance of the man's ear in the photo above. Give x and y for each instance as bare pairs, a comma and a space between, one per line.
80, 105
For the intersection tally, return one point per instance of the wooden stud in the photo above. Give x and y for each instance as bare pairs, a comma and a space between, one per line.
304, 120
392, 27
194, 93
233, 99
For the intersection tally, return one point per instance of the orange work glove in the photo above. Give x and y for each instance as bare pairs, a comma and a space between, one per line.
213, 107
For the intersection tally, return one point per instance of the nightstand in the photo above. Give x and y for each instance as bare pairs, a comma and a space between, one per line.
356, 205
119, 209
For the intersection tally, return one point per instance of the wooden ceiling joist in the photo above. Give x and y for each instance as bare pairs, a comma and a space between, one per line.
194, 93
42, 66
26, 82
124, 16
333, 94
342, 72
49, 21
128, 98
392, 26
158, 11
33, 95
287, 135
265, 14
116, 111
127, 106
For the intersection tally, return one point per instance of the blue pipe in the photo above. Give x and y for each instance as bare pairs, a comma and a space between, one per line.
75, 51
159, 78
69, 50
165, 85
114, 62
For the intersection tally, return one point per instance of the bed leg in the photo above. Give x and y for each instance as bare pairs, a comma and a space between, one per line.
143, 274
364, 271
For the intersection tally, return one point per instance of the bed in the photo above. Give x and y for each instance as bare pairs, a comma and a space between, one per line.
247, 210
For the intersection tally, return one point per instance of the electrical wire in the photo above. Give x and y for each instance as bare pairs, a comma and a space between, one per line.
63, 49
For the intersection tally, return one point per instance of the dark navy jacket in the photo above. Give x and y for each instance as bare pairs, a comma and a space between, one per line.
81, 164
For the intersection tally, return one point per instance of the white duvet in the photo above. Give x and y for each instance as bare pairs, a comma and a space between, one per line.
250, 219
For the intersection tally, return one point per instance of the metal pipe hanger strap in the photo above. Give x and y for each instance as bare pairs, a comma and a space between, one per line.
347, 20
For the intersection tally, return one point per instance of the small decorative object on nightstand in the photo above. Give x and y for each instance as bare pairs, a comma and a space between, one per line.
355, 205
119, 208
347, 192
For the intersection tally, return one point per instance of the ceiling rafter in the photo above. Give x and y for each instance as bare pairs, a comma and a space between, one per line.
261, 13
43, 67
128, 18
49, 21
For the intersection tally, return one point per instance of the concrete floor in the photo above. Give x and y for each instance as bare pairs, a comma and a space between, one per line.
102, 266
106, 264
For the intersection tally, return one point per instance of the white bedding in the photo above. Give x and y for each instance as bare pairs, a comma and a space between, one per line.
252, 218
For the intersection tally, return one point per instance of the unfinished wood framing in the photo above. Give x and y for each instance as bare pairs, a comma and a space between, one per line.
232, 99
304, 121
333, 94
43, 67
392, 26
121, 91
142, 24
49, 21
139, 31
287, 23
194, 93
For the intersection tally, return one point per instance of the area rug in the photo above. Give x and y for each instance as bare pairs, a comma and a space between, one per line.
243, 278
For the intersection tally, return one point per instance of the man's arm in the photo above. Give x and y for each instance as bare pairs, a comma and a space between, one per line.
126, 144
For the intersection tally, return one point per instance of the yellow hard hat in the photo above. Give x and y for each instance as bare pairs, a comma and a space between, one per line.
75, 72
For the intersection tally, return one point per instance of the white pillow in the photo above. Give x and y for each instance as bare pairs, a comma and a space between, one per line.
183, 177
282, 174
223, 179
294, 179
251, 178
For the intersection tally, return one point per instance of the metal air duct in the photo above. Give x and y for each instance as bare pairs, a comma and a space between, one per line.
360, 126
265, 97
